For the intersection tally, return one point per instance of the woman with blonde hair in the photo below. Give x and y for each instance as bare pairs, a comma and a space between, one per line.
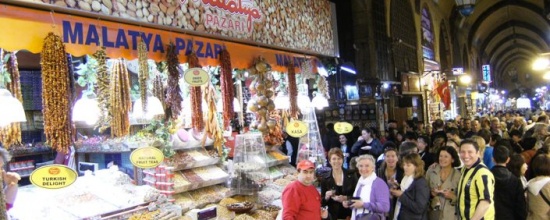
414, 193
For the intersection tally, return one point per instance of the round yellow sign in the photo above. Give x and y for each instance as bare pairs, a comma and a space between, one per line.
296, 129
146, 157
196, 76
343, 127
53, 177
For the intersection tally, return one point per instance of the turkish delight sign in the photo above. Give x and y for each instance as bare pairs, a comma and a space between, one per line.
299, 25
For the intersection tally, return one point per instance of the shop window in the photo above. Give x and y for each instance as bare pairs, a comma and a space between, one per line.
403, 34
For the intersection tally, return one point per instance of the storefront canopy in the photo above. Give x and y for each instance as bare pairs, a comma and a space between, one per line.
25, 29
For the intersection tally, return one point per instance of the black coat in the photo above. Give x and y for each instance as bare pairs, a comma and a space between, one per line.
509, 198
336, 210
381, 172
415, 201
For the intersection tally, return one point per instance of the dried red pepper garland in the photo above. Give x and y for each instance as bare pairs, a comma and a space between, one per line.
195, 94
226, 83
292, 91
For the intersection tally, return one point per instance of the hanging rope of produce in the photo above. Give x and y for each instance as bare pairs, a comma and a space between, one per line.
11, 134
262, 85
292, 91
173, 95
3, 211
55, 94
322, 86
195, 94
226, 84
121, 103
158, 89
102, 88
212, 126
143, 73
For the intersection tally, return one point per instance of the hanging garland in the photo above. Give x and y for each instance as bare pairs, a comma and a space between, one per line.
55, 94
226, 84
102, 88
143, 73
292, 91
121, 103
322, 86
158, 89
173, 95
195, 94
11, 134
212, 127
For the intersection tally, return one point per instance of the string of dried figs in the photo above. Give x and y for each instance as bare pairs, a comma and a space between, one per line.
173, 95
143, 73
120, 101
262, 87
195, 94
102, 88
158, 89
226, 83
322, 86
55, 94
292, 91
11, 134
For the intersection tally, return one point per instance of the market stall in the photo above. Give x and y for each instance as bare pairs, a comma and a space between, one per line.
112, 86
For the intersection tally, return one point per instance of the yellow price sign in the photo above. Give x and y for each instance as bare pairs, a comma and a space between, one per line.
196, 76
343, 127
296, 129
53, 177
146, 157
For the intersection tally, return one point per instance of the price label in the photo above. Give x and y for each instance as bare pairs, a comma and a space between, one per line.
296, 129
343, 127
196, 76
53, 177
146, 157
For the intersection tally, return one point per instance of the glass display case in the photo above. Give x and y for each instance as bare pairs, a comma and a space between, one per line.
311, 145
249, 171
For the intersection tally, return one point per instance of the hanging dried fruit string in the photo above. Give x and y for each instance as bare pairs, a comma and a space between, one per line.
292, 91
212, 127
3, 211
173, 95
226, 84
55, 94
102, 88
120, 101
195, 94
11, 134
158, 89
143, 73
322, 86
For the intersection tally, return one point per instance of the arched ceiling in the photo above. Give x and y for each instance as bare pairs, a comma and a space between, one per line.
504, 31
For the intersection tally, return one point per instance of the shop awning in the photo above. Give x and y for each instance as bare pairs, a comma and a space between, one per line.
25, 29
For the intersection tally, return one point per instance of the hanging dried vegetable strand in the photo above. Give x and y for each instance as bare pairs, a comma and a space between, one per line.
173, 95
322, 86
3, 211
292, 91
102, 88
11, 134
195, 94
158, 89
143, 73
120, 99
212, 127
226, 84
55, 94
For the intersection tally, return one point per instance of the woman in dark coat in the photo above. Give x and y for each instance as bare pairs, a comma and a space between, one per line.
337, 187
414, 193
392, 173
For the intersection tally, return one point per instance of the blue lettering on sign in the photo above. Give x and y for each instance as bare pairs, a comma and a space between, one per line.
284, 60
73, 33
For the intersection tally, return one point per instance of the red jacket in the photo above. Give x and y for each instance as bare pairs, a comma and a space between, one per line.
301, 202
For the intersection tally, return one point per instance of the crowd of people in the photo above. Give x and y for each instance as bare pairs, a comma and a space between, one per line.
492, 167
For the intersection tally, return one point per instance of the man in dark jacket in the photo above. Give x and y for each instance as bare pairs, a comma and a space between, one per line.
509, 198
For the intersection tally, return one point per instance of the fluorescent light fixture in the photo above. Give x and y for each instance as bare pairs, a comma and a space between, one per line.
348, 69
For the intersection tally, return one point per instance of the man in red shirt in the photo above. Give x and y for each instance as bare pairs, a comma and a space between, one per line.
301, 200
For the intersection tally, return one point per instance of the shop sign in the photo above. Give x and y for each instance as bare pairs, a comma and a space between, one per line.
298, 25
84, 36
297, 129
196, 76
146, 157
53, 177
343, 127
486, 71
458, 71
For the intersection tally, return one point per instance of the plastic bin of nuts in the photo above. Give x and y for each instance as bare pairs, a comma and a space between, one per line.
250, 164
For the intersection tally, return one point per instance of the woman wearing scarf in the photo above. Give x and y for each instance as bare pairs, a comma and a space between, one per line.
371, 196
414, 195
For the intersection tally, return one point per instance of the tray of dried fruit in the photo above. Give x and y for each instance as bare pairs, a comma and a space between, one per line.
199, 177
192, 158
275, 173
209, 195
275, 158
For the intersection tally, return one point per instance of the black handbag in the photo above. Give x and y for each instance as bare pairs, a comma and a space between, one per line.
369, 216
